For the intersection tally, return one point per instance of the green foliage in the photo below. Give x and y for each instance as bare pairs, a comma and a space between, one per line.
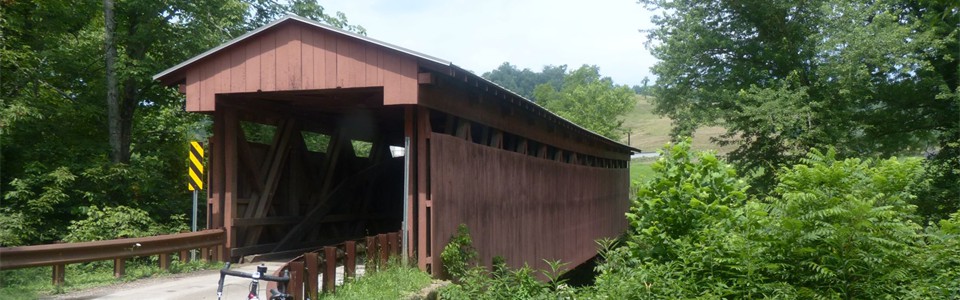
119, 222
844, 228
393, 282
690, 191
524, 81
874, 78
459, 255
831, 228
476, 282
52, 112
588, 100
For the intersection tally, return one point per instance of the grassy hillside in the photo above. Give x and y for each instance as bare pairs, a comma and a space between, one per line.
649, 131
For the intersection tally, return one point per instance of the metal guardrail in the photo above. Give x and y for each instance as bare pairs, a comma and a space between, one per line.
59, 255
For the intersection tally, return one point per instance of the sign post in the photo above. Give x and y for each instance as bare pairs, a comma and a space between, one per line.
196, 183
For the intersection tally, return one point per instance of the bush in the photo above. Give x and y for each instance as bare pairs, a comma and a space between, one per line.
831, 228
473, 282
459, 255
119, 222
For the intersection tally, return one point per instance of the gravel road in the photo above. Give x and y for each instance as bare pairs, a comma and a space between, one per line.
196, 285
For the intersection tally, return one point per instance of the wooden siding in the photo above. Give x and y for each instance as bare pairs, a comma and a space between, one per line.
294, 57
523, 208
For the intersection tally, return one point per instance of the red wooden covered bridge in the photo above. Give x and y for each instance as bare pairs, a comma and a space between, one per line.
310, 124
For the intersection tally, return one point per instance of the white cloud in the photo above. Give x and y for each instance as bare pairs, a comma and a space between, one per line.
480, 35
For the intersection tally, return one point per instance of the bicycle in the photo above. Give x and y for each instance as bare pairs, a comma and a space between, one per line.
261, 274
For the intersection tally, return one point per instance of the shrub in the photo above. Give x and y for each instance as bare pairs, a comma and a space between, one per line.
118, 222
475, 282
459, 255
689, 192
830, 228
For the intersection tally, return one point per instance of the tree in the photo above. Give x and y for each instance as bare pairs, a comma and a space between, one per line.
588, 100
56, 156
869, 78
523, 82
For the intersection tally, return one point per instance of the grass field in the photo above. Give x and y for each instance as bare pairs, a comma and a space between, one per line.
650, 132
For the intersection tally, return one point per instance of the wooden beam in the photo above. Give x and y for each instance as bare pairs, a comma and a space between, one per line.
248, 163
464, 130
327, 204
496, 140
272, 180
522, 146
422, 163
334, 149
230, 140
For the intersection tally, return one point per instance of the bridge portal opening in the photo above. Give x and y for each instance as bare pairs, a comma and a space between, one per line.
304, 169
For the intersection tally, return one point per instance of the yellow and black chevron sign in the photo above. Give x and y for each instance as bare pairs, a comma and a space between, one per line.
196, 166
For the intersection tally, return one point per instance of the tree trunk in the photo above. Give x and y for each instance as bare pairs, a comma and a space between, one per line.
113, 103
128, 101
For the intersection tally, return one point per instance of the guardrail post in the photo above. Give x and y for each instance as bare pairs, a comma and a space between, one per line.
59, 273
330, 269
296, 280
394, 244
350, 263
312, 262
185, 256
384, 249
295, 288
164, 261
205, 254
371, 260
119, 267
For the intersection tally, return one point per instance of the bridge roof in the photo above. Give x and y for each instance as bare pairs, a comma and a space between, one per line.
178, 74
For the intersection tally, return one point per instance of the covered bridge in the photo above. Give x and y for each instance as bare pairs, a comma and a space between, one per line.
304, 120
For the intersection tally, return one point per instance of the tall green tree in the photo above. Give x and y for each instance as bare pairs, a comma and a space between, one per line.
869, 78
589, 100
56, 153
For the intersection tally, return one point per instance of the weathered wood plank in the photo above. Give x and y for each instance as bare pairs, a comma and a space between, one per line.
268, 62
251, 65
289, 66
520, 206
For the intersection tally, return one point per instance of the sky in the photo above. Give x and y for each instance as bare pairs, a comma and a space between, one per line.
479, 35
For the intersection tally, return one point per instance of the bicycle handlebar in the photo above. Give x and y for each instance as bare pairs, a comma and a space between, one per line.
250, 275
226, 271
